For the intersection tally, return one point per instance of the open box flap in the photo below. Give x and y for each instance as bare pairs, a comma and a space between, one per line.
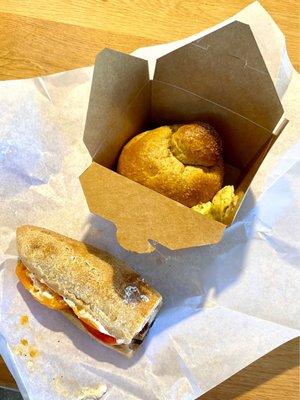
119, 103
138, 211
221, 79
242, 138
217, 66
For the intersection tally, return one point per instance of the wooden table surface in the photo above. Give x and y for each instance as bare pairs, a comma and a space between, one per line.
45, 36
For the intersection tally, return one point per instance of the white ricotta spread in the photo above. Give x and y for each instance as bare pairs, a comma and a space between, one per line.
48, 293
43, 290
85, 315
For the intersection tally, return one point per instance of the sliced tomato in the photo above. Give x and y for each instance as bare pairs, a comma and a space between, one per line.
56, 303
99, 335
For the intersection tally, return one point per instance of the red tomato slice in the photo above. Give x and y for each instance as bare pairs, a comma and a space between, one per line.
58, 303
99, 335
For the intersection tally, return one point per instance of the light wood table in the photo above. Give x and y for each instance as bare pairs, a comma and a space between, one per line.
45, 36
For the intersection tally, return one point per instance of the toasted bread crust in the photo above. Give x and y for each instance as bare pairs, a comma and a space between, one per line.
183, 162
92, 279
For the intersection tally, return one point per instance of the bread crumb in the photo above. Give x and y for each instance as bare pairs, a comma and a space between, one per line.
92, 393
59, 388
63, 387
33, 352
24, 319
30, 366
18, 350
23, 349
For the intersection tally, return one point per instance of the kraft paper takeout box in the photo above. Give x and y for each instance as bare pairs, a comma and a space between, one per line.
221, 79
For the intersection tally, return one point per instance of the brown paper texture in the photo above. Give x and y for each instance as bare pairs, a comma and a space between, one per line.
130, 206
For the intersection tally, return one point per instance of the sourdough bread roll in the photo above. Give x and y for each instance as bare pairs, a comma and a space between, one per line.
182, 162
97, 286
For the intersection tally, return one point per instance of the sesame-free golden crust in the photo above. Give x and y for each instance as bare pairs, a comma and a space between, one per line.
93, 279
196, 144
183, 162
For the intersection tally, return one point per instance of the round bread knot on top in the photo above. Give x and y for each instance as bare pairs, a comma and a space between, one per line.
196, 144
183, 162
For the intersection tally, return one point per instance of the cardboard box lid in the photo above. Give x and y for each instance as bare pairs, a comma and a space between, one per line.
216, 67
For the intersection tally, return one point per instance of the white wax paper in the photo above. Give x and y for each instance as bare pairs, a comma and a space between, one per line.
224, 305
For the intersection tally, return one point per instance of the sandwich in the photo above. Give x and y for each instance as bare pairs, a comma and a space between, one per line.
97, 292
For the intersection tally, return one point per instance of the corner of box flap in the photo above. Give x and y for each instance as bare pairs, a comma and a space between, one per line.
282, 123
107, 52
118, 80
225, 67
142, 215
143, 240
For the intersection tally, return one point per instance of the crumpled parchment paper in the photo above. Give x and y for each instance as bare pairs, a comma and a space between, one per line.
224, 305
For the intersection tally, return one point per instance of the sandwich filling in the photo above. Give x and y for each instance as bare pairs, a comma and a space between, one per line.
46, 296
